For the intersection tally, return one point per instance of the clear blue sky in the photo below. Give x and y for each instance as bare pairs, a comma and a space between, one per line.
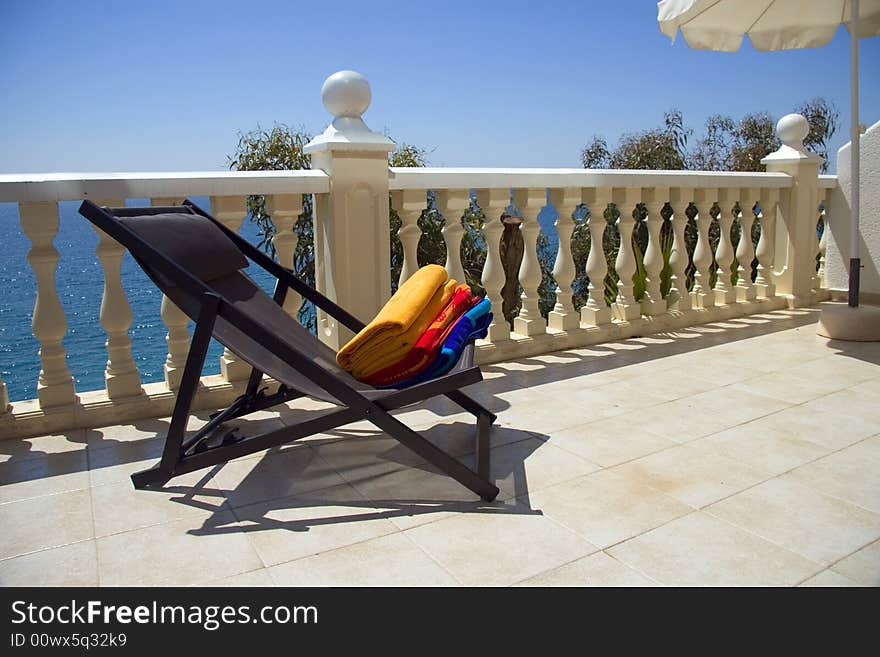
102, 85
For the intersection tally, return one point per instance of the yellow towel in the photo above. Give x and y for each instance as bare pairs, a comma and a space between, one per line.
398, 314
372, 358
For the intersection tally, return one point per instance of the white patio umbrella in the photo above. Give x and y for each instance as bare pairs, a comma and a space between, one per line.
783, 25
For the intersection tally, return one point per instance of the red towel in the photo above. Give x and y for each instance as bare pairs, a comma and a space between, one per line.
429, 344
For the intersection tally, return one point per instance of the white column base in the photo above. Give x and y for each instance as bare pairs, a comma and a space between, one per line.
529, 327
563, 321
625, 311
595, 316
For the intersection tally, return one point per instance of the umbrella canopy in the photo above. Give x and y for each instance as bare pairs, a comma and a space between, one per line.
769, 24
782, 25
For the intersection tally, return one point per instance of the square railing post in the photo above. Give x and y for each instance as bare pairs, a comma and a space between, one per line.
352, 234
795, 261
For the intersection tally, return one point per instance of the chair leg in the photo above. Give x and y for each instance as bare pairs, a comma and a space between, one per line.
484, 424
433, 454
470, 404
155, 476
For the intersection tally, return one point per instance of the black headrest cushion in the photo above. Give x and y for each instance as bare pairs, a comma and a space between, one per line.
195, 243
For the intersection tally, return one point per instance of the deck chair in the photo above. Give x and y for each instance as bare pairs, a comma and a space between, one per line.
198, 263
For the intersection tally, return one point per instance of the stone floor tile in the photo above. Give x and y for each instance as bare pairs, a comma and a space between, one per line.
391, 560
829, 578
521, 468
522, 543
764, 447
606, 507
121, 507
824, 428
696, 474
850, 474
291, 472
258, 578
45, 475
597, 569
612, 441
44, 522
862, 566
822, 528
700, 550
295, 527
21, 449
181, 553
706, 413
75, 564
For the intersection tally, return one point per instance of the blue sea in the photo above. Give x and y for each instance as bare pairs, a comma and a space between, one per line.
80, 284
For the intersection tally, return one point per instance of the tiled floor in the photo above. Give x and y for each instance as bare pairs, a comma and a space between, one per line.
740, 453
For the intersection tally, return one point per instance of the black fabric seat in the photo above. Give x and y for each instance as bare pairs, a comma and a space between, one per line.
200, 265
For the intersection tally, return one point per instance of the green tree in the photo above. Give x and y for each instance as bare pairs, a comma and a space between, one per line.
279, 149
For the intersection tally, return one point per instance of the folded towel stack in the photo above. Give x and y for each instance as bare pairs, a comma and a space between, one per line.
419, 334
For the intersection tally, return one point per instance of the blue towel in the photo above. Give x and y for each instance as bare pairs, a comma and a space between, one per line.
472, 325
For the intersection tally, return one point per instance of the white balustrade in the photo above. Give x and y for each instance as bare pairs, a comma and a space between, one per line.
121, 375
679, 298
493, 203
231, 211
409, 205
529, 320
823, 243
452, 205
176, 321
652, 301
564, 317
701, 294
39, 221
626, 307
595, 312
4, 397
766, 251
816, 248
745, 250
724, 292
285, 209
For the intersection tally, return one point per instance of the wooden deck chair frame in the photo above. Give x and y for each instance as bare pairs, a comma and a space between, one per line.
354, 400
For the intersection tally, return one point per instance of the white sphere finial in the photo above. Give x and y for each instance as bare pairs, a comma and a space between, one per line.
792, 129
346, 93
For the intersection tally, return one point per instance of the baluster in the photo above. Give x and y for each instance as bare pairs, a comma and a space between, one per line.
176, 320
452, 205
701, 294
724, 292
564, 317
766, 252
652, 301
285, 209
678, 297
595, 311
231, 211
493, 203
529, 320
409, 204
745, 250
39, 221
816, 246
4, 397
823, 243
625, 306
121, 375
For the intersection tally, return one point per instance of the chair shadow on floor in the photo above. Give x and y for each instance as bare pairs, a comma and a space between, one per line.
382, 480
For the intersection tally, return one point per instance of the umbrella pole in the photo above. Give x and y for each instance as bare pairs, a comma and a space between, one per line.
855, 134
